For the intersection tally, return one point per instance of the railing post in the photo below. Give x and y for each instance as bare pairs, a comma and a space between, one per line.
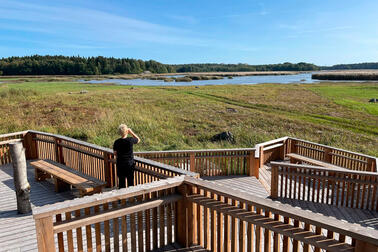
109, 173
282, 150
30, 145
293, 146
372, 165
58, 151
327, 155
185, 219
274, 182
362, 246
192, 162
45, 234
261, 156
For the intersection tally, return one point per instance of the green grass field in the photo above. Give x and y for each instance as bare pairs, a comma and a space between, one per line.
167, 118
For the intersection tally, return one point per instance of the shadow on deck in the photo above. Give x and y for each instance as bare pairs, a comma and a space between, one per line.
18, 231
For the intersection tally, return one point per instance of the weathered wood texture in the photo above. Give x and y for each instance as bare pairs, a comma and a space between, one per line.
329, 186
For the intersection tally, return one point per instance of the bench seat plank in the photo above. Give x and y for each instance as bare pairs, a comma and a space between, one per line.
313, 161
82, 182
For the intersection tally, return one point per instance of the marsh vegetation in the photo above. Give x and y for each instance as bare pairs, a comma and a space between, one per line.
337, 114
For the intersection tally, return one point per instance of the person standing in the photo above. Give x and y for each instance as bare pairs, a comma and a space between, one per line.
123, 150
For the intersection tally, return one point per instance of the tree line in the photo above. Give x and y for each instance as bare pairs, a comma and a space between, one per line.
76, 65
367, 65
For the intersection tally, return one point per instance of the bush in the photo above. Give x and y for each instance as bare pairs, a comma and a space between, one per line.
12, 93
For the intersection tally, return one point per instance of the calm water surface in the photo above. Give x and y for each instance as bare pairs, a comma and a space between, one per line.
282, 79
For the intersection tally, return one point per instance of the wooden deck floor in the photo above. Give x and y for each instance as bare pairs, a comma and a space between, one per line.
17, 232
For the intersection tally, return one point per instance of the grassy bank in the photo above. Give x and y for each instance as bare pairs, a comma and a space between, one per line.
352, 75
186, 117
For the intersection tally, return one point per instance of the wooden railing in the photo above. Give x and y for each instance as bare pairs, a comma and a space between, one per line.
207, 162
342, 158
4, 141
89, 159
191, 211
139, 218
271, 150
329, 186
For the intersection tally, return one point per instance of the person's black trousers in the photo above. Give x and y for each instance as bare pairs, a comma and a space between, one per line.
122, 180
125, 170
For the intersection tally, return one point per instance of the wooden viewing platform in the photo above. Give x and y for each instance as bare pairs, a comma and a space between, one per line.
243, 201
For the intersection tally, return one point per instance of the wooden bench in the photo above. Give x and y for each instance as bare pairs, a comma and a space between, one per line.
64, 177
296, 157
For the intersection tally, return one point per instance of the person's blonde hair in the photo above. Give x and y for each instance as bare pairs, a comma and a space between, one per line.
123, 129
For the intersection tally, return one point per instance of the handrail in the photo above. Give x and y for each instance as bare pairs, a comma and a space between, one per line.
110, 151
328, 154
327, 146
13, 134
193, 203
320, 168
195, 151
106, 197
101, 219
339, 187
213, 162
354, 231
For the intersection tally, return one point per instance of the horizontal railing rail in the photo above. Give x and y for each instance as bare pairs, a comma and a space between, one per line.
5, 139
189, 211
338, 157
339, 187
207, 162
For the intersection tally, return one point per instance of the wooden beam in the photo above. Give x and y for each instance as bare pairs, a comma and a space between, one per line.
113, 213
45, 234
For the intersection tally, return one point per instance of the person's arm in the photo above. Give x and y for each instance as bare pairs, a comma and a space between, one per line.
134, 135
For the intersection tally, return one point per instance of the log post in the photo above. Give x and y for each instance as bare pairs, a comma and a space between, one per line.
20, 177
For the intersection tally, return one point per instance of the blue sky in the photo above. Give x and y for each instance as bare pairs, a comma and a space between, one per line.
183, 31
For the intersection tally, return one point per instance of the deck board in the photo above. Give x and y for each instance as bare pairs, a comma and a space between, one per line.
17, 232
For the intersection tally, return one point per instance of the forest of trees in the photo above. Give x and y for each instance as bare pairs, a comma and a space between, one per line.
245, 67
371, 65
63, 65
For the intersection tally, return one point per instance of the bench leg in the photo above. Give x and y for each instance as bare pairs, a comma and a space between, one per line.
94, 191
61, 186
40, 175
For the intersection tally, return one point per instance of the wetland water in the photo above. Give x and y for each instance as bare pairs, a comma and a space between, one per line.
282, 79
